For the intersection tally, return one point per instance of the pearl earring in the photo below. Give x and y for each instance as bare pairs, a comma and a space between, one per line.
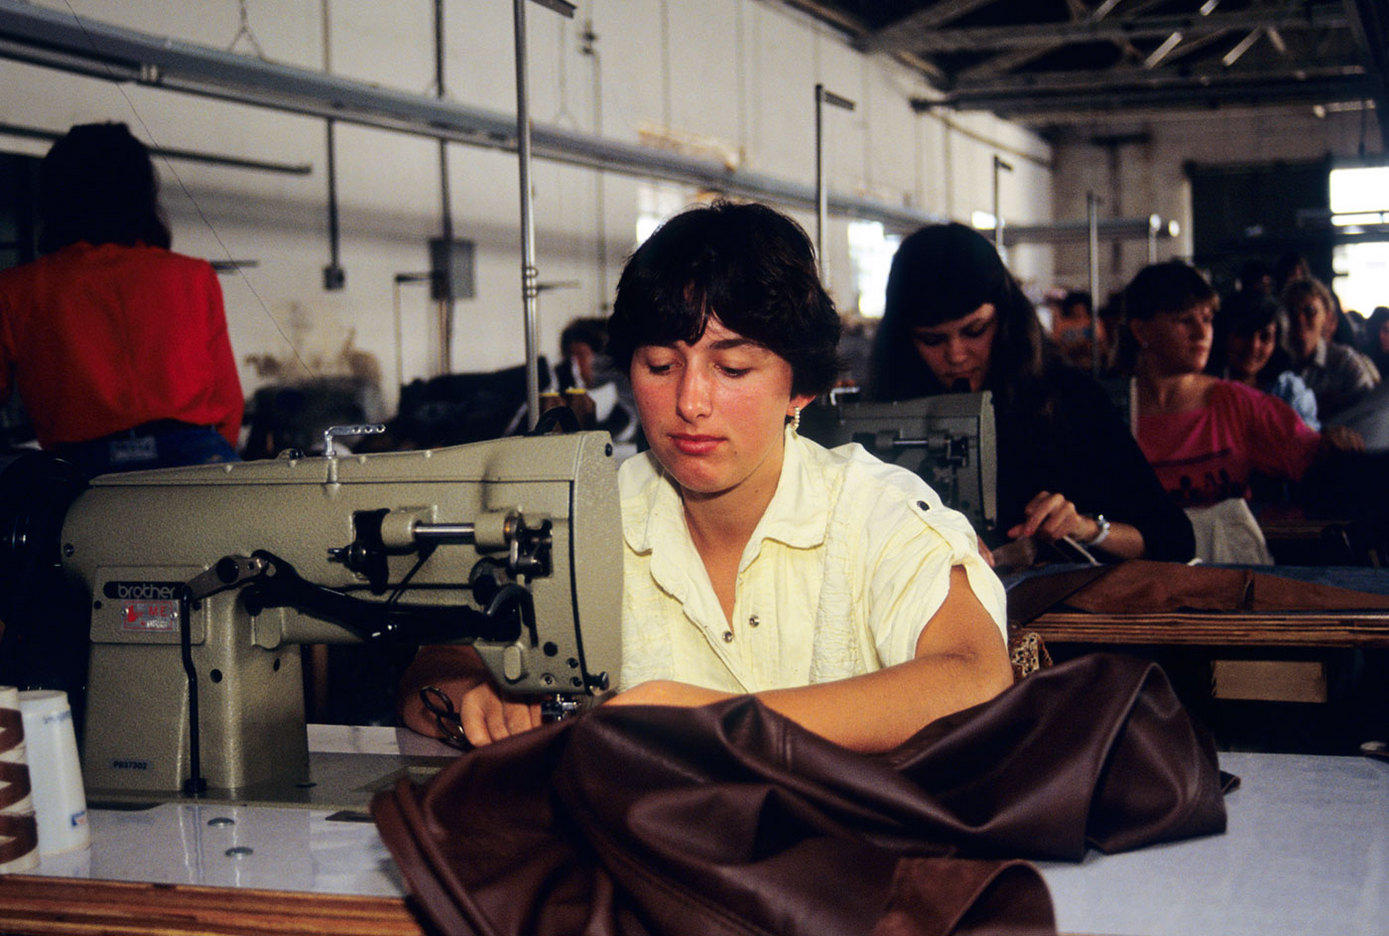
795, 419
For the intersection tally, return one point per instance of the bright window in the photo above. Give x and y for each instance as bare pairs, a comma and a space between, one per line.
657, 201
1360, 202
871, 250
1362, 276
1360, 189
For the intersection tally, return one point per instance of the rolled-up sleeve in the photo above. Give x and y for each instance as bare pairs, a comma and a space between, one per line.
913, 542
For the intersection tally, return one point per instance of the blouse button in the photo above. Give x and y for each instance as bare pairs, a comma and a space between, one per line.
728, 636
753, 621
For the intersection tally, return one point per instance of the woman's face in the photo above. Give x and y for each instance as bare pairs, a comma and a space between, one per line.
958, 351
1384, 336
1177, 342
713, 411
1308, 315
1249, 353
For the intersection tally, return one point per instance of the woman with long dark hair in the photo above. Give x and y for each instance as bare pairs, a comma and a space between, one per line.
117, 346
957, 321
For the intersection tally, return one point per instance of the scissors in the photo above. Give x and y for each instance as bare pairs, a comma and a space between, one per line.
445, 715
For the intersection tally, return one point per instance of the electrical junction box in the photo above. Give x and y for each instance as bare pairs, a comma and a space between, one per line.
451, 266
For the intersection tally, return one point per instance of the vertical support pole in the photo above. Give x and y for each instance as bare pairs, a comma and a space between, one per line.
1092, 218
446, 206
529, 274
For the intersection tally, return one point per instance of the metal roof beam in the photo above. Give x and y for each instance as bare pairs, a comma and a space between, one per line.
905, 33
1120, 79
1016, 58
1370, 25
1121, 29
1099, 99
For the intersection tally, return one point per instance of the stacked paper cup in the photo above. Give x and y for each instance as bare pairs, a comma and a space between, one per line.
19, 838
60, 802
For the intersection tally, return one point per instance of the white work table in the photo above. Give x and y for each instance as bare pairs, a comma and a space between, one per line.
1307, 851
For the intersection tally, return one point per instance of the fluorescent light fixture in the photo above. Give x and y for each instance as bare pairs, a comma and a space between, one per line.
1360, 218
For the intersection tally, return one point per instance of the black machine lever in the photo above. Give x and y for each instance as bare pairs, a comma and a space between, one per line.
278, 585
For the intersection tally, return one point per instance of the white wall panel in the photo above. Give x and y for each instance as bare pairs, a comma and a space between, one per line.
739, 73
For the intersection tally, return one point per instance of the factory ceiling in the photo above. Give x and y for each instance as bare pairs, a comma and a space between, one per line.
1053, 63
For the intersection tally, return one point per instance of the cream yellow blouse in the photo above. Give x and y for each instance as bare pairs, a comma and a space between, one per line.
850, 561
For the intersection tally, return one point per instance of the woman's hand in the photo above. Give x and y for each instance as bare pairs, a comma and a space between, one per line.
485, 714
1341, 439
1051, 516
667, 692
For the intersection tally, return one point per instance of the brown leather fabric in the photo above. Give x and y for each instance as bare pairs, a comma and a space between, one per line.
1140, 586
730, 819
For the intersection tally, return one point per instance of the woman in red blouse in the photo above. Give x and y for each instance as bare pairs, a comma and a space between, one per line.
1204, 436
117, 346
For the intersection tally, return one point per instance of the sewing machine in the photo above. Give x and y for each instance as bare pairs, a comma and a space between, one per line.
948, 440
203, 582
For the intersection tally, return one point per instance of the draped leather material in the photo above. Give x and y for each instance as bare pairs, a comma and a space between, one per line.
731, 819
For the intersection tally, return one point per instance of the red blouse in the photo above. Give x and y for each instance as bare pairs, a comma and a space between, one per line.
101, 339
1206, 455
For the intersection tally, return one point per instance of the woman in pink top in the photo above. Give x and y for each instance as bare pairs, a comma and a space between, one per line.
1205, 436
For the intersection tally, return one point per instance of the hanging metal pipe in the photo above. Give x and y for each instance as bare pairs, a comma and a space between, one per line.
1000, 166
822, 191
1092, 216
396, 324
333, 275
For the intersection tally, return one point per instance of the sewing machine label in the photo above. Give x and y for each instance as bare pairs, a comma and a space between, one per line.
147, 607
146, 616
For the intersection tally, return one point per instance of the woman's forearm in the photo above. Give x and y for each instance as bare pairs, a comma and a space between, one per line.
878, 711
1124, 541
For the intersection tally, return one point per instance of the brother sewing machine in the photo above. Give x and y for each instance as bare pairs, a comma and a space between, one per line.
948, 440
204, 581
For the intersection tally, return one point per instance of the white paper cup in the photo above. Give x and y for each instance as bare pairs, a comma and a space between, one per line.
18, 833
60, 802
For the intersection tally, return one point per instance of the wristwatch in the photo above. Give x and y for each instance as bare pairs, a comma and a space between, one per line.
1101, 536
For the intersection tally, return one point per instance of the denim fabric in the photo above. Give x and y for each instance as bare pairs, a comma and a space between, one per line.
196, 445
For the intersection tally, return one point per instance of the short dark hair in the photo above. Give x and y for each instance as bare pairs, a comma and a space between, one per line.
1172, 286
97, 184
1078, 297
1246, 312
940, 273
590, 331
751, 267
1287, 266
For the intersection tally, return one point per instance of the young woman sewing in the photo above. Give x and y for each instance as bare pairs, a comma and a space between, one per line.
956, 320
837, 588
